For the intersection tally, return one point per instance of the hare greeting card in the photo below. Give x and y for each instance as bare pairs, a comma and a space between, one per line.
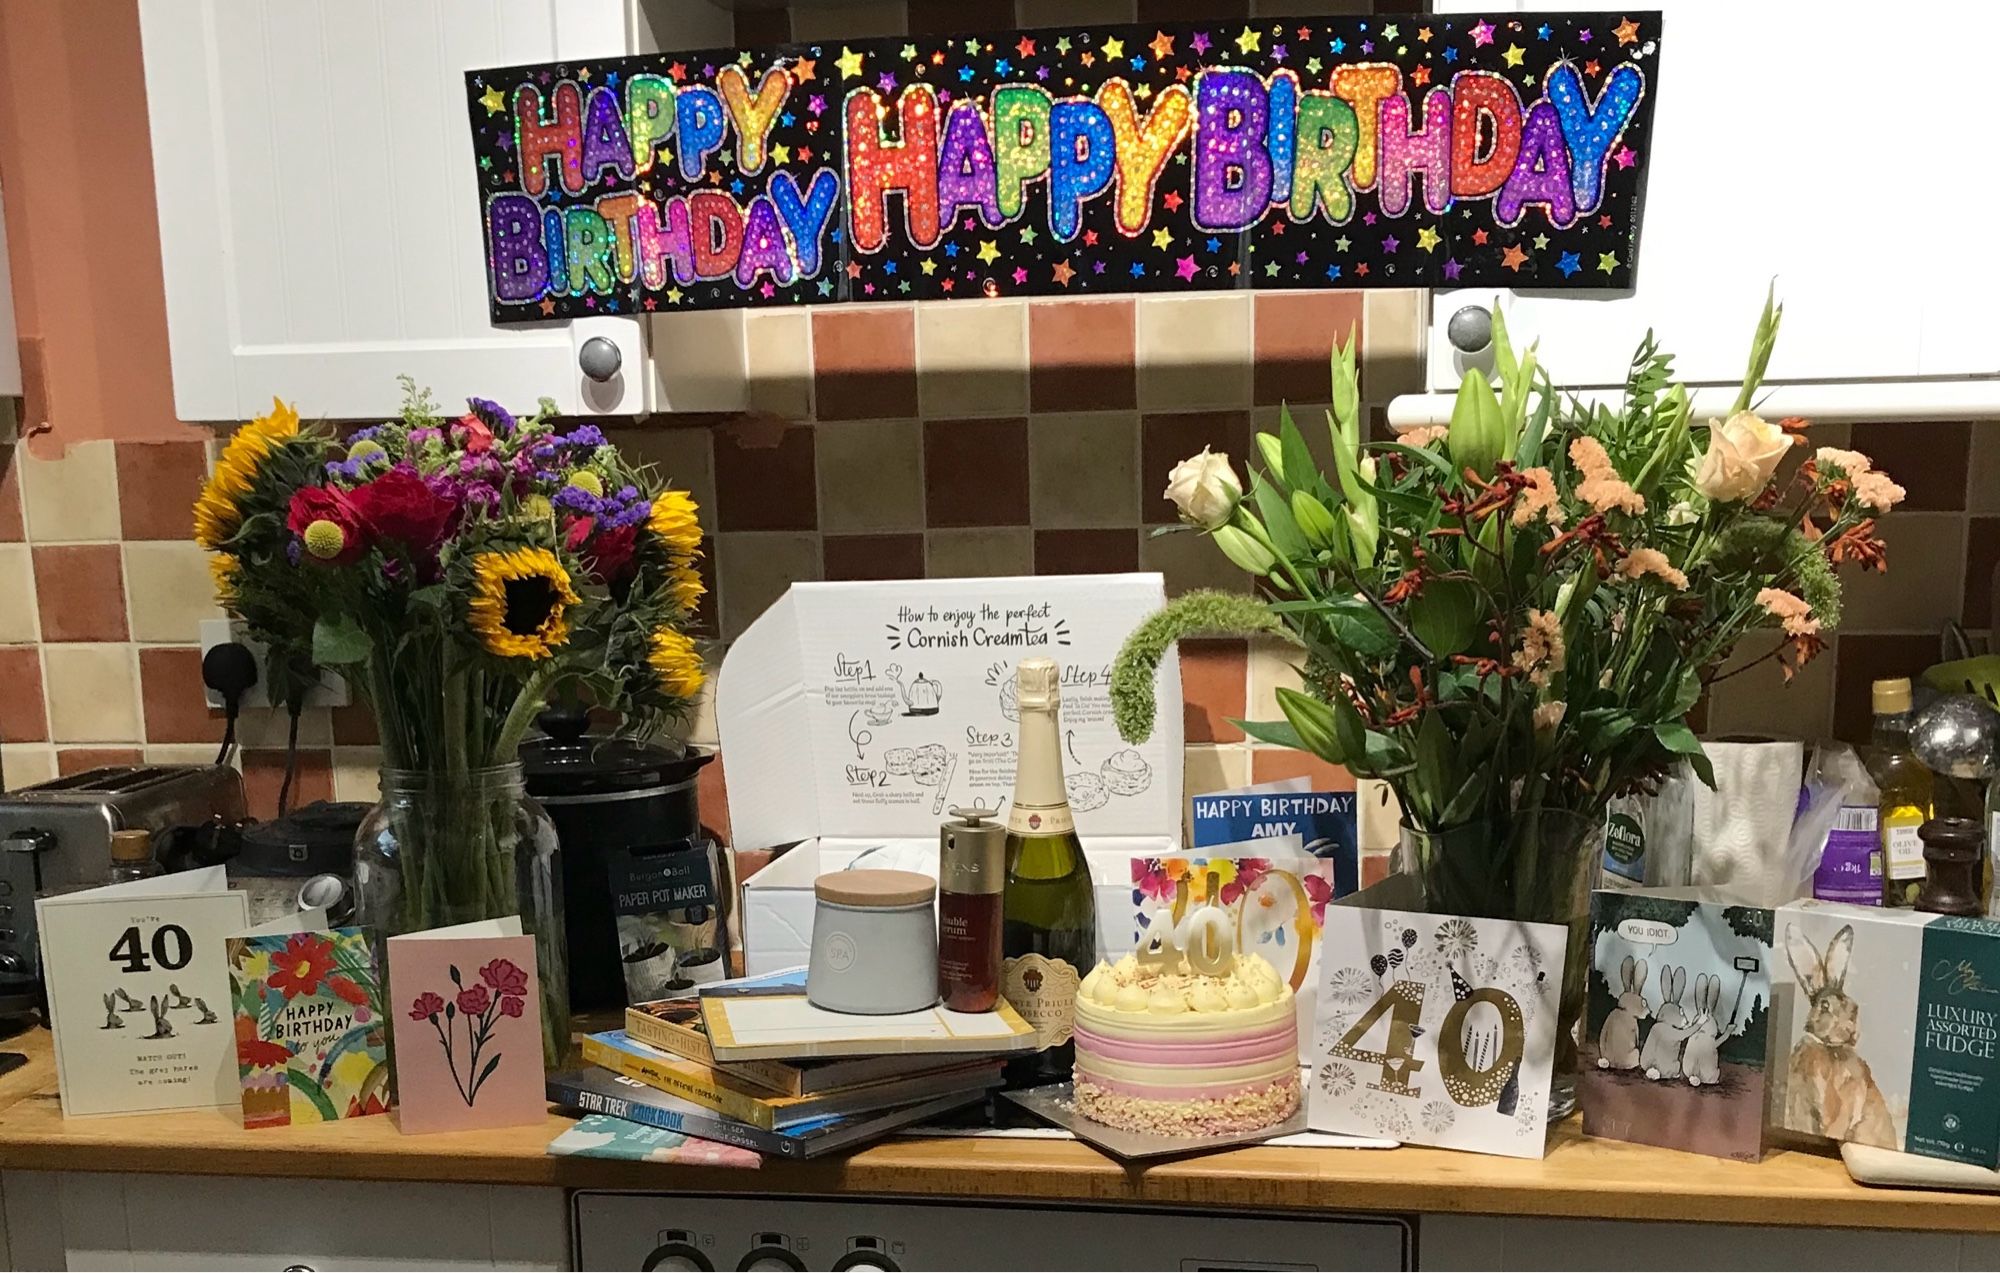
1678, 1021
311, 1046
1437, 1029
139, 992
468, 1023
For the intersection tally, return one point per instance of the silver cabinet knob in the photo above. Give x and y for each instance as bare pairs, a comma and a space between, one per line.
1470, 330
599, 358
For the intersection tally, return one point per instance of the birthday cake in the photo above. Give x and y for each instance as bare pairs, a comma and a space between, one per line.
1200, 1043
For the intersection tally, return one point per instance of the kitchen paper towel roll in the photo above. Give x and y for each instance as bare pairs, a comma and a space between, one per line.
1742, 827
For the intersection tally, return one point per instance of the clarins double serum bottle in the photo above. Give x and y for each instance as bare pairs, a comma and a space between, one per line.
972, 874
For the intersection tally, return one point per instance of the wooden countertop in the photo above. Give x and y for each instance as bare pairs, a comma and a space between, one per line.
1579, 1178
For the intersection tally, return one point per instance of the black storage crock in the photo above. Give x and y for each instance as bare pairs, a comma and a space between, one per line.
608, 796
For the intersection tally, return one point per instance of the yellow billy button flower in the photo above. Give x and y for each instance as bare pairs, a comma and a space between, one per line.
588, 482
674, 660
536, 508
519, 603
324, 540
674, 522
216, 514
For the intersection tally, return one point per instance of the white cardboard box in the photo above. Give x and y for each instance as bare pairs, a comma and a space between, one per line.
855, 715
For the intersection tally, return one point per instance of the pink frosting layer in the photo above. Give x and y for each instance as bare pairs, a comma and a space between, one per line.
1189, 1092
1264, 1045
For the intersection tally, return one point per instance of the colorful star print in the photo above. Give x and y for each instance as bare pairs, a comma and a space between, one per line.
849, 62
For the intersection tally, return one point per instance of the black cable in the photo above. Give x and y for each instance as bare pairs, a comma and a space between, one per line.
230, 670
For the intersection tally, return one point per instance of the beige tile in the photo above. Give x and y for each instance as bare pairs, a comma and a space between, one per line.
984, 552
1983, 496
93, 693
1273, 664
1378, 817
972, 359
1921, 589
1212, 767
25, 764
871, 475
754, 569
19, 624
1190, 561
1051, 13
1083, 469
1759, 701
169, 590
777, 356
267, 728
849, 21
72, 498
357, 773
697, 360
1392, 343
1194, 352
700, 730
179, 754
684, 456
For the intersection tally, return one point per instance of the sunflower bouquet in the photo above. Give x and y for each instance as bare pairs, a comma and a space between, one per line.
460, 572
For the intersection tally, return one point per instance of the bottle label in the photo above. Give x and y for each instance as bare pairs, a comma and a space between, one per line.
1905, 852
1040, 819
1043, 991
1850, 868
1625, 846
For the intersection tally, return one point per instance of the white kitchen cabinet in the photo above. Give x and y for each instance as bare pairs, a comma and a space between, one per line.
1868, 219
82, 1220
319, 221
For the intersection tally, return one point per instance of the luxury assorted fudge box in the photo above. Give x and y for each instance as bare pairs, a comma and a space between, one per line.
1888, 1025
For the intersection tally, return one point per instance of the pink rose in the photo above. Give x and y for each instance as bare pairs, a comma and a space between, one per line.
474, 1000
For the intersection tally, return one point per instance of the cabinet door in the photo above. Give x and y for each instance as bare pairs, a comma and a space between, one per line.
319, 225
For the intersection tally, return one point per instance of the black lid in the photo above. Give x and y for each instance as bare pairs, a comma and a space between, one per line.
318, 839
570, 762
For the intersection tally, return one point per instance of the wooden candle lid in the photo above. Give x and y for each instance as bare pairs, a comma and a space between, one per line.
874, 890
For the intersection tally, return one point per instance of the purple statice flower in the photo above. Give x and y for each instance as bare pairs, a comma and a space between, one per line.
294, 551
577, 500
364, 435
543, 451
584, 435
550, 476
492, 415
480, 495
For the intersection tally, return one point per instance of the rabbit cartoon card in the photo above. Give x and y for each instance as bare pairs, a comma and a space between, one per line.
1677, 1023
1437, 1029
138, 983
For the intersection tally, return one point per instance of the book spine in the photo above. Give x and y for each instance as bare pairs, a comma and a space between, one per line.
716, 1129
667, 1037
782, 1079
703, 1092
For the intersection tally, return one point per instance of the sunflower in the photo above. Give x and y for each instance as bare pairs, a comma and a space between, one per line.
216, 515
223, 568
518, 604
673, 521
675, 662
685, 588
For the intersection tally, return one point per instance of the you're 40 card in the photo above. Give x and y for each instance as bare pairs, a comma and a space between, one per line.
138, 984
1436, 1029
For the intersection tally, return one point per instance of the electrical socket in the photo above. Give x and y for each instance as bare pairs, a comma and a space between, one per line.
330, 692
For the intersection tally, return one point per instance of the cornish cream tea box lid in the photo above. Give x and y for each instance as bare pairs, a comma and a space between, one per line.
868, 710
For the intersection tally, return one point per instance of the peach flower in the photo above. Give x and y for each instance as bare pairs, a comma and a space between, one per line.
1538, 499
1602, 488
1641, 562
1876, 491
1790, 611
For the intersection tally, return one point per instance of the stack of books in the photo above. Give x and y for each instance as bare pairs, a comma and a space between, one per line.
662, 1072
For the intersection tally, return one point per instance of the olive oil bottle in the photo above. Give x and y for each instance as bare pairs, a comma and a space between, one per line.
1904, 804
1049, 914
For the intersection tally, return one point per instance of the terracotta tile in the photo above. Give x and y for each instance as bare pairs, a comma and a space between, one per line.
1862, 659
755, 571
761, 26
76, 760
1921, 589
864, 363
80, 590
946, 17
1268, 764
11, 529
1086, 552
1295, 334
1084, 469
1164, 11
18, 624
1374, 868
1194, 352
24, 717
712, 793
1082, 355
170, 590
1982, 557
972, 358
170, 691
157, 486
1213, 677
1928, 459
985, 553
976, 472
354, 726
871, 476
1189, 561
68, 499
1166, 440
873, 556
766, 488
264, 774
93, 693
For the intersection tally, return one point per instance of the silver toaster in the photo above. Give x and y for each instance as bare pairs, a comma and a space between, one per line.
66, 824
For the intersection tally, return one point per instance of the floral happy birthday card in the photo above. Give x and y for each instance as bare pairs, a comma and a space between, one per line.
310, 1042
468, 1024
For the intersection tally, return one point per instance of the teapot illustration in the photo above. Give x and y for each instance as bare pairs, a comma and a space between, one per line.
921, 697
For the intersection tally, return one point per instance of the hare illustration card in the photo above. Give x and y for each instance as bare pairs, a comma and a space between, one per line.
1437, 1029
1677, 1025
311, 1045
138, 983
468, 1023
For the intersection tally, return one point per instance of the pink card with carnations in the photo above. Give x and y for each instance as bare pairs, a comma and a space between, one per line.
468, 1028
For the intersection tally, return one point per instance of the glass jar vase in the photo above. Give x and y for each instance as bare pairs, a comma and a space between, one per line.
1537, 867
450, 848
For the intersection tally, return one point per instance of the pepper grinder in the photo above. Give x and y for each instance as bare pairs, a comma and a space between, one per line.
1954, 851
972, 872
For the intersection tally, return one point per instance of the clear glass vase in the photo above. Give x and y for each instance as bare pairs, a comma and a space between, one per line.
450, 848
1537, 868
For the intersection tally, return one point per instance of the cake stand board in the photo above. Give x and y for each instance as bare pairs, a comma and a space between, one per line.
1057, 1103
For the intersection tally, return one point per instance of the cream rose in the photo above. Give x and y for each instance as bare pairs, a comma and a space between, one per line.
1743, 452
1205, 489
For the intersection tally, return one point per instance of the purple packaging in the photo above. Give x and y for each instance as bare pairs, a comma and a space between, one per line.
1850, 867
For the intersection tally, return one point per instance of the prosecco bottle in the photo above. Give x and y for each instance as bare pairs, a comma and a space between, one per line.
1049, 928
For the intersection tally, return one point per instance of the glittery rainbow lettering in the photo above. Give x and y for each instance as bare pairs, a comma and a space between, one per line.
1232, 176
1541, 173
877, 166
967, 174
1021, 140
1082, 158
753, 116
1406, 151
1475, 94
1144, 146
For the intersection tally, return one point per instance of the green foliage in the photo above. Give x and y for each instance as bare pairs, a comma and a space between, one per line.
1193, 614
